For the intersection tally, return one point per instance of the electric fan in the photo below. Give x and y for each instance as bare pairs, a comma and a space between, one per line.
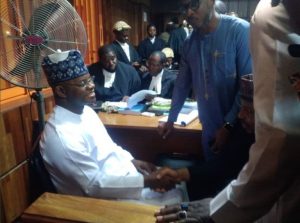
31, 30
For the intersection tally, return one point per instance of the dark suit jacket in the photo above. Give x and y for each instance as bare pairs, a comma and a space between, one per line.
146, 47
167, 83
127, 82
121, 55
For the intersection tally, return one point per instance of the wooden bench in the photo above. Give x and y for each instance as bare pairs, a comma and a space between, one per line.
58, 208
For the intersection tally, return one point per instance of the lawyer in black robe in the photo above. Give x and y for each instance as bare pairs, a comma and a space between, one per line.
156, 65
167, 83
126, 79
150, 44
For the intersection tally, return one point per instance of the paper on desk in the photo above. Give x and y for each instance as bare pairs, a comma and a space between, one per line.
183, 119
119, 104
139, 96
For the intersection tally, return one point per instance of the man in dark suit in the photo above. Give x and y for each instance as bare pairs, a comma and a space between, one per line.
158, 79
150, 44
114, 80
124, 50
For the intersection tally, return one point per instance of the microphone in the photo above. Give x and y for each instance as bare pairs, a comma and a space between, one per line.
294, 50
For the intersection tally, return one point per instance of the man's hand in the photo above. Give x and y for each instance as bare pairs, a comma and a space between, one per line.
125, 98
159, 185
143, 69
143, 167
197, 211
149, 97
178, 175
222, 137
165, 129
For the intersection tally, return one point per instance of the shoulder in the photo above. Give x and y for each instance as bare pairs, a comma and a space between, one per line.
144, 41
146, 76
234, 23
267, 17
125, 67
94, 66
169, 75
88, 111
115, 45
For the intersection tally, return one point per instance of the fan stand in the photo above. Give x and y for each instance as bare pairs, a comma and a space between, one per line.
39, 98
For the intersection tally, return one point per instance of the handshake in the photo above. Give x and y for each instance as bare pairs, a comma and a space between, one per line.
161, 179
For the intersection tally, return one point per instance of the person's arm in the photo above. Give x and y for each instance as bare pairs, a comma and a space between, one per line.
180, 92
273, 158
182, 87
243, 66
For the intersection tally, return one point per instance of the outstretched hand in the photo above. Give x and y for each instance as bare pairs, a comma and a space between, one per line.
144, 167
159, 184
177, 175
197, 211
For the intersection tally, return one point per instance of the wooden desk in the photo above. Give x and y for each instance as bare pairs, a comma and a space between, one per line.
138, 134
62, 208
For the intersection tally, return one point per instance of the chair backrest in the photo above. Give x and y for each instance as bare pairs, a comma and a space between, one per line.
39, 177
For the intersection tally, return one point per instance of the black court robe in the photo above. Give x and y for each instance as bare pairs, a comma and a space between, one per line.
126, 83
176, 40
121, 55
167, 83
146, 47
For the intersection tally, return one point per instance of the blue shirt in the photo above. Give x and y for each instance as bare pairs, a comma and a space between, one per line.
212, 65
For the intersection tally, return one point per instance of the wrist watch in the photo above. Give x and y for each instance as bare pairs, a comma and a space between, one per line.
228, 126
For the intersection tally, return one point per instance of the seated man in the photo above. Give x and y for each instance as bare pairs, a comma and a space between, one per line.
158, 79
114, 80
79, 155
208, 178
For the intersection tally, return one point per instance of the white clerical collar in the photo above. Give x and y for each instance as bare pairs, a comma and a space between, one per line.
156, 82
125, 47
109, 78
152, 40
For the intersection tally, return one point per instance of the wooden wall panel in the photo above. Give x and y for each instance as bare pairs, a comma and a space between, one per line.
7, 160
128, 11
15, 146
14, 193
14, 137
90, 12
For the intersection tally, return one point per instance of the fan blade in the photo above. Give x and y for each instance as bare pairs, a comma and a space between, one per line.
40, 17
26, 62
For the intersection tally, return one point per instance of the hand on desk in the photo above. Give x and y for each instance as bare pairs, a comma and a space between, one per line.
196, 211
165, 129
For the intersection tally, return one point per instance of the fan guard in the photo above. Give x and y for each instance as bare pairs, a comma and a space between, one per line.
31, 30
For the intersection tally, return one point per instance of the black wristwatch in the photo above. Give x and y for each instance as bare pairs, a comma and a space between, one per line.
228, 126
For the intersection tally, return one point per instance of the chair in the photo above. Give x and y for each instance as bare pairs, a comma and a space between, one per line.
39, 178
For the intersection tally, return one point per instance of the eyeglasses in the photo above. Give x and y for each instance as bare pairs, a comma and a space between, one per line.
193, 5
83, 83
